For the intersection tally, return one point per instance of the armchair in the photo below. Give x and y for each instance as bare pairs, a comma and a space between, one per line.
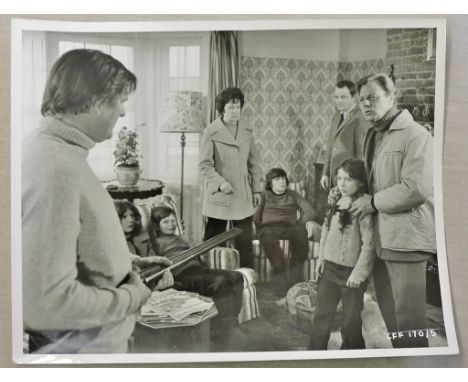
219, 257
262, 264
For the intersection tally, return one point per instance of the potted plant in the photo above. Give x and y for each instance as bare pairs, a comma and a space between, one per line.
127, 157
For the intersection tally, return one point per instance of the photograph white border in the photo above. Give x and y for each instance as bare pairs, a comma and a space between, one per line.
21, 25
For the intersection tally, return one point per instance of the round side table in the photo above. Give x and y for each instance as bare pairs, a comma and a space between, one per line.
146, 188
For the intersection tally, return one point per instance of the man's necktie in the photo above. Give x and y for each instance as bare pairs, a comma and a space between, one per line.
341, 119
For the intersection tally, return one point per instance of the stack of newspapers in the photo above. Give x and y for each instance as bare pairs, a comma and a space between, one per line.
174, 308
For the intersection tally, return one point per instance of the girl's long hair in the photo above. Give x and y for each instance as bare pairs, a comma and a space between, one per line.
356, 170
123, 206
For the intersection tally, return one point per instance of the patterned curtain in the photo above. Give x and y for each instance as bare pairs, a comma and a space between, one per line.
224, 65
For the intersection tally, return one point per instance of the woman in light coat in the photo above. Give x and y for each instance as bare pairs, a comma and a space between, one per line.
230, 173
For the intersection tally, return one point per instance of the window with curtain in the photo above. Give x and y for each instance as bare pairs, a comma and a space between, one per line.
181, 70
162, 63
181, 63
100, 157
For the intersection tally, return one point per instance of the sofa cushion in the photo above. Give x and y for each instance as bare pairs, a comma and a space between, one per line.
222, 258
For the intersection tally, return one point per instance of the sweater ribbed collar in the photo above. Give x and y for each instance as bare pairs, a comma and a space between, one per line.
70, 134
384, 123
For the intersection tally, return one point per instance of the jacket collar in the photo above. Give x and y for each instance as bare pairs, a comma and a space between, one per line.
402, 120
223, 135
349, 116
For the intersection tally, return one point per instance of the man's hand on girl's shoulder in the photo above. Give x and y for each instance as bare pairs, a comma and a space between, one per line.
362, 207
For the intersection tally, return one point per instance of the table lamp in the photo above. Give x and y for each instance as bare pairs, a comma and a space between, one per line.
182, 113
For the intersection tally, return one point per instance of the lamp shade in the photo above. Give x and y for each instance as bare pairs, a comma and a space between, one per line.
182, 112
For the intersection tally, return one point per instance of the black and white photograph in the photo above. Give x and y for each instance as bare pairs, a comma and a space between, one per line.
203, 191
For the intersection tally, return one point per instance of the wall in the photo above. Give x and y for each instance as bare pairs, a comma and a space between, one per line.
415, 73
289, 102
324, 45
362, 44
298, 44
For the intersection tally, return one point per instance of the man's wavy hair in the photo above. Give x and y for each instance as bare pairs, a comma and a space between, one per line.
81, 78
382, 80
122, 206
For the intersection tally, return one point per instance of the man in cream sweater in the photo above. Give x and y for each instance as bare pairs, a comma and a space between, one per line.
74, 252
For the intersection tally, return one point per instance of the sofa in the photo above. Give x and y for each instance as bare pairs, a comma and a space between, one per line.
219, 257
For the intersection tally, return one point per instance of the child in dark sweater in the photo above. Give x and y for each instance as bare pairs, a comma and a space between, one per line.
276, 219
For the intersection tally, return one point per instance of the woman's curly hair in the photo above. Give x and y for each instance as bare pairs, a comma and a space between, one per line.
227, 95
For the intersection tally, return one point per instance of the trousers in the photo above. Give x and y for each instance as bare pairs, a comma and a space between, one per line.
223, 286
400, 288
329, 295
269, 237
243, 243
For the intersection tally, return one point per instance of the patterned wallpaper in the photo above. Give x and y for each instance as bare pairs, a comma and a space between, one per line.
355, 70
289, 104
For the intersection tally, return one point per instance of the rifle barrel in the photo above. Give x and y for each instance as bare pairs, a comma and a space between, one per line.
152, 272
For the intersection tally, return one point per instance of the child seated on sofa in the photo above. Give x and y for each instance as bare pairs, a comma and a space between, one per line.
276, 219
130, 219
223, 286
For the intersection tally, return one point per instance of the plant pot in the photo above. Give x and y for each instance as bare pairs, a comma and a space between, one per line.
127, 175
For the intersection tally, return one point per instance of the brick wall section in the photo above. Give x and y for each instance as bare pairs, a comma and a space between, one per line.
414, 73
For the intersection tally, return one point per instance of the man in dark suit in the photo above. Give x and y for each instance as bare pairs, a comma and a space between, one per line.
347, 131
